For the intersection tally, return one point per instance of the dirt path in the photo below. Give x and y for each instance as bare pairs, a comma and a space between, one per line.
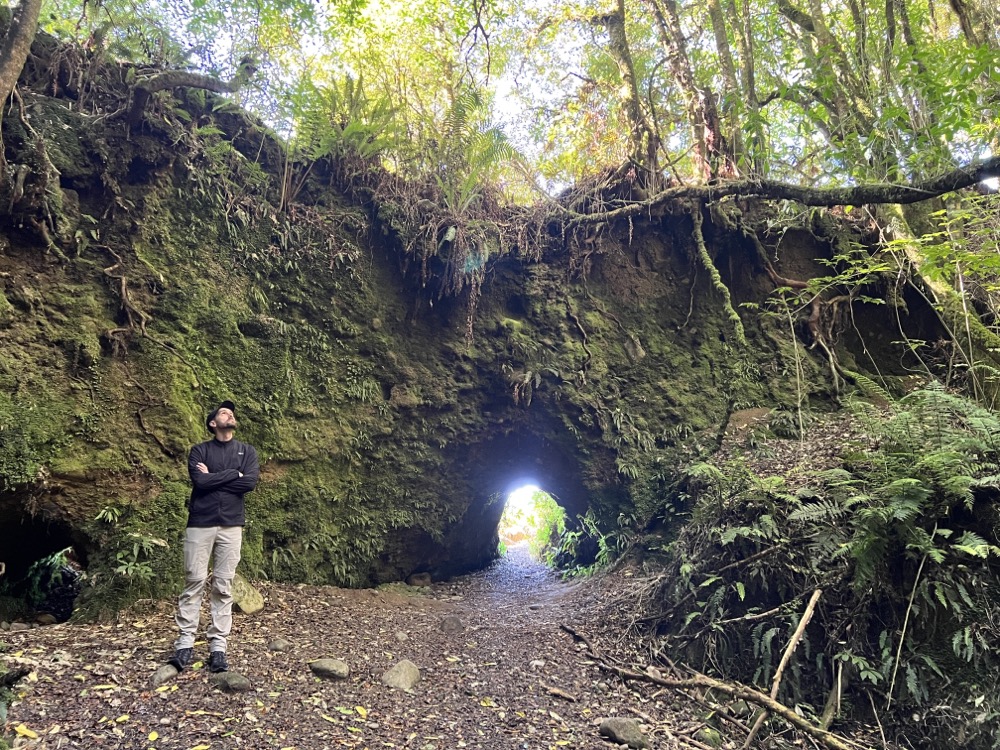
492, 682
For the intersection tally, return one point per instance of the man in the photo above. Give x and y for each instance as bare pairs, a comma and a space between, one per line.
222, 471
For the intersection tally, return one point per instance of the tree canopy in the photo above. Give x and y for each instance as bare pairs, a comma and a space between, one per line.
548, 93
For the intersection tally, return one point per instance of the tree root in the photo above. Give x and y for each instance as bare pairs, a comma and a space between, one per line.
878, 194
716, 277
173, 79
734, 689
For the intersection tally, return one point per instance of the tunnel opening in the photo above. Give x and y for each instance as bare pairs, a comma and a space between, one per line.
532, 518
41, 568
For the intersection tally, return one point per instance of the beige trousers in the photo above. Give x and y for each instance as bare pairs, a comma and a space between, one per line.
199, 544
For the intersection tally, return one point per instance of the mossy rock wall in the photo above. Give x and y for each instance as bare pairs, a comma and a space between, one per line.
148, 272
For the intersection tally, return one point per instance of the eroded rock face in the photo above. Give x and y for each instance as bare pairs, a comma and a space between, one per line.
391, 416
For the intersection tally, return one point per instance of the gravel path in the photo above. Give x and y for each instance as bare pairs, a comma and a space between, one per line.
497, 672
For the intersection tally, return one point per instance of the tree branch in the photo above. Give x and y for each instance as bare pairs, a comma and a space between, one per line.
734, 689
173, 79
878, 193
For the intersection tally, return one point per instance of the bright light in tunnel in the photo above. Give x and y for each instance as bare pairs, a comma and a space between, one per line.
522, 500
532, 516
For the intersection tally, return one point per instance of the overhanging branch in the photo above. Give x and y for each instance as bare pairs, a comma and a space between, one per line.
879, 193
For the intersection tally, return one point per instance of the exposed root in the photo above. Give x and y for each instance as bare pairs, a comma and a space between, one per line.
716, 277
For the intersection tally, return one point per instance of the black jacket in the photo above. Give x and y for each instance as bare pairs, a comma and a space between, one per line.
217, 497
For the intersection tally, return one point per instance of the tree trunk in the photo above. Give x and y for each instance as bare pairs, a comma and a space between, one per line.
644, 141
709, 149
16, 45
731, 89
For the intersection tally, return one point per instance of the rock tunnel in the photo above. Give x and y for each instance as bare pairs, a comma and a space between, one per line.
531, 449
29, 539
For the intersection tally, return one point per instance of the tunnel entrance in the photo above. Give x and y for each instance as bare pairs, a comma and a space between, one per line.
41, 568
532, 518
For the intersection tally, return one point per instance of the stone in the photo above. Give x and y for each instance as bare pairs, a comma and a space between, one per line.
46, 619
419, 579
401, 636
161, 675
18, 626
4, 625
403, 675
451, 624
330, 669
624, 731
230, 682
741, 709
709, 736
279, 644
245, 597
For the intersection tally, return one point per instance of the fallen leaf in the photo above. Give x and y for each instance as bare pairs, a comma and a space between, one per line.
25, 732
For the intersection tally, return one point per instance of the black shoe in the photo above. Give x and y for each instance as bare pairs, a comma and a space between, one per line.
217, 662
182, 658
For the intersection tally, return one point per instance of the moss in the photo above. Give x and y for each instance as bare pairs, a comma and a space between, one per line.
381, 442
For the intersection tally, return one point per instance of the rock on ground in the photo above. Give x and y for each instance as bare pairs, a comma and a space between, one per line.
624, 731
230, 682
161, 675
330, 669
248, 599
403, 675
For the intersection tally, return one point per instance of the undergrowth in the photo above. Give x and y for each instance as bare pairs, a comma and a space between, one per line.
902, 541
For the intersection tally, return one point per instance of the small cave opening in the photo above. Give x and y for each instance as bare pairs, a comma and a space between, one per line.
534, 520
42, 564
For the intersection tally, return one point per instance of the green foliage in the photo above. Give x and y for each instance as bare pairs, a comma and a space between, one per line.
902, 540
586, 534
541, 522
133, 562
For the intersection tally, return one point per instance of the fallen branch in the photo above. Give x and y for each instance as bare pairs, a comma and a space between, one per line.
785, 657
559, 693
734, 689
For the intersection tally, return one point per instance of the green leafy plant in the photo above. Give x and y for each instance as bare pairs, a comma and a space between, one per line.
902, 541
134, 563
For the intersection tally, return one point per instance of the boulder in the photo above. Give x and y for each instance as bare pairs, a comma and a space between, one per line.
246, 598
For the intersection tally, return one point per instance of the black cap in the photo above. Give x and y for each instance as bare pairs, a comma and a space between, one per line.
212, 414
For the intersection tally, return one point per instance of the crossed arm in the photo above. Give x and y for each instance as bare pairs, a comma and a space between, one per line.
240, 480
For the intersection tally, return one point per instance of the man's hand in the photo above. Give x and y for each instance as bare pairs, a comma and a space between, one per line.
202, 468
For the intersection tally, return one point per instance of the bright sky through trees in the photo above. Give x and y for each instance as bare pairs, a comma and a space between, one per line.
668, 91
